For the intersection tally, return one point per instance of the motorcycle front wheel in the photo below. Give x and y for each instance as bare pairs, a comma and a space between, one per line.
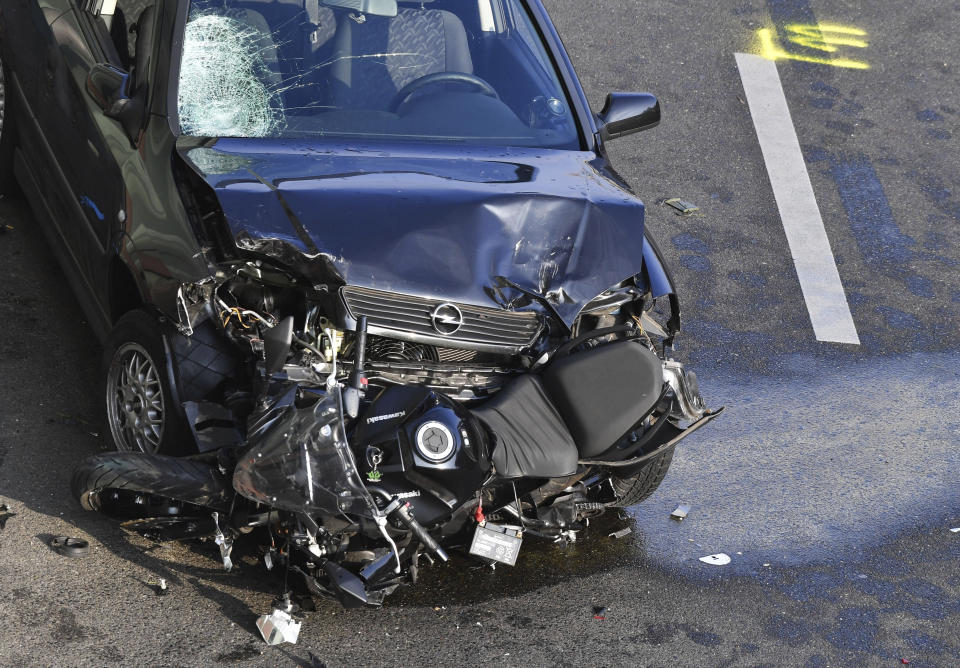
133, 486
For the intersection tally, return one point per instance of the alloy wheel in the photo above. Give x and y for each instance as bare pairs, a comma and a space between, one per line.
135, 400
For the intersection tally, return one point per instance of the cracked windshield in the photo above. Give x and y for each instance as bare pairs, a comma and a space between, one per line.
467, 71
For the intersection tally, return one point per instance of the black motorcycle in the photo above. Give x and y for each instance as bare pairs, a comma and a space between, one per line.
357, 482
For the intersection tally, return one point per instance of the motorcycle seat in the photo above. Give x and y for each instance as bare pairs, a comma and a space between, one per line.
580, 406
530, 438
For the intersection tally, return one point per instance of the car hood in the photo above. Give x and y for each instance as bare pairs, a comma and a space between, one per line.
464, 225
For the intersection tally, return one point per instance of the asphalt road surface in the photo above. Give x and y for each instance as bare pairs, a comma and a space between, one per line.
831, 481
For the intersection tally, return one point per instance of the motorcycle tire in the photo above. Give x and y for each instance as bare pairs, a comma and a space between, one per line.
158, 479
141, 405
638, 486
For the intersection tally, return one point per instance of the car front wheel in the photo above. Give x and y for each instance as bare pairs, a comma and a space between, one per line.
142, 409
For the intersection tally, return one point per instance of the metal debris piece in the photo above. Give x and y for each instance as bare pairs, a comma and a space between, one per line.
278, 627
226, 545
683, 207
719, 559
680, 512
600, 612
626, 531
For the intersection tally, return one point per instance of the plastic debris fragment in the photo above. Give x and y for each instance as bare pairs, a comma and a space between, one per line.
955, 530
278, 627
719, 559
626, 531
682, 207
600, 613
161, 588
680, 512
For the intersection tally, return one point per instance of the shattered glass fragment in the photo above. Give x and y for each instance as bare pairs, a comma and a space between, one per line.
225, 84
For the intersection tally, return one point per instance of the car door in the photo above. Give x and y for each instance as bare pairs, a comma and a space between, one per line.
90, 147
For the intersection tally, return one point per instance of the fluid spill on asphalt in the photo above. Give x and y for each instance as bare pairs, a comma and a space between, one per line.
801, 482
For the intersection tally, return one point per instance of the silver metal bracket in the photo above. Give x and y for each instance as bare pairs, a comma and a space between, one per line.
225, 544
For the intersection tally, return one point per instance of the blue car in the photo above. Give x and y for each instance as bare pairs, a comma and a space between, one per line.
364, 260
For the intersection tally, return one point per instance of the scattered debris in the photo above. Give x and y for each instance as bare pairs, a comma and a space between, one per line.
719, 559
904, 661
5, 509
767, 565
161, 588
626, 531
682, 207
600, 612
6, 228
954, 530
69, 546
680, 512
278, 627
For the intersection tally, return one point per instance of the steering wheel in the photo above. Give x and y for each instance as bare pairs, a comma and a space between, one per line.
441, 77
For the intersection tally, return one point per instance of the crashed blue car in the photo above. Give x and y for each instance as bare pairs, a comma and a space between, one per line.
363, 262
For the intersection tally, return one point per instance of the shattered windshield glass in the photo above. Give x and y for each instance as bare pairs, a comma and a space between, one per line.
468, 71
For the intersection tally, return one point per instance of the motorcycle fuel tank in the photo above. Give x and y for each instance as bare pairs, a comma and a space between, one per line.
430, 450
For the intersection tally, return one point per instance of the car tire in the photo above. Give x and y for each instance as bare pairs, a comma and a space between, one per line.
8, 135
632, 489
141, 403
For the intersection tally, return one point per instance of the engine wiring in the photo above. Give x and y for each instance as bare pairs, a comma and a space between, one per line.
229, 312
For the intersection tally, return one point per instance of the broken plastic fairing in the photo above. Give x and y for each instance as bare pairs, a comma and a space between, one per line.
302, 463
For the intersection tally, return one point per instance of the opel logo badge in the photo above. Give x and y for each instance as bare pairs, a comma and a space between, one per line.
446, 319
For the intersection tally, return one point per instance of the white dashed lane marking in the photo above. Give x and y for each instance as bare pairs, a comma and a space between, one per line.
806, 235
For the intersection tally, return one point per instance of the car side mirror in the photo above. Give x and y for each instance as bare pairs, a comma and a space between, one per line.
626, 113
109, 87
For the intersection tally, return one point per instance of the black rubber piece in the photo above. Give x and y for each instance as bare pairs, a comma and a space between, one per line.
177, 479
69, 546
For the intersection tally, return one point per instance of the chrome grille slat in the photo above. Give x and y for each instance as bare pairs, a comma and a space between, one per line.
409, 317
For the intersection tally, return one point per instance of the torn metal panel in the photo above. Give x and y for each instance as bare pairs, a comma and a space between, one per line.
453, 224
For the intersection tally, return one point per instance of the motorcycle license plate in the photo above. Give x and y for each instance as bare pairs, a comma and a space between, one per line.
499, 543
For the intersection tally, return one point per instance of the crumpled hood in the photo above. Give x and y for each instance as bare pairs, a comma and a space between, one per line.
456, 224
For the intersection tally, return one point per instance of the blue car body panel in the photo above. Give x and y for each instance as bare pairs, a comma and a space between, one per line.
454, 223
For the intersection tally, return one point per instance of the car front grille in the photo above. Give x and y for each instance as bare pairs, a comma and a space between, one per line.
411, 318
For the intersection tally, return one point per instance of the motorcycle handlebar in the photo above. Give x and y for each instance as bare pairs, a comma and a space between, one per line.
404, 513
